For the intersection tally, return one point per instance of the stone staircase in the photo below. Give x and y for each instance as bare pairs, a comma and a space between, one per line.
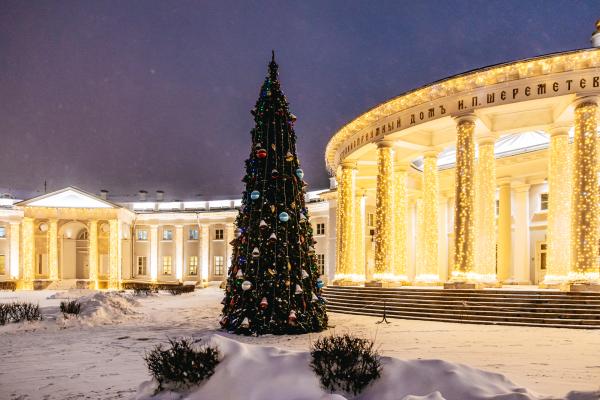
544, 308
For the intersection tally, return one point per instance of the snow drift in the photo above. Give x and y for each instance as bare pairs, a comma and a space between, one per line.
254, 372
99, 308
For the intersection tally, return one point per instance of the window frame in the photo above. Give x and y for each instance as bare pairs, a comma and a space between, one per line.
220, 264
3, 269
167, 234
219, 232
544, 200
194, 265
320, 228
144, 265
169, 264
193, 237
143, 237
2, 231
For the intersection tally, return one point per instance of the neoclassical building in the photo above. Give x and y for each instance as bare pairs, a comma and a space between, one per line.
485, 178
72, 238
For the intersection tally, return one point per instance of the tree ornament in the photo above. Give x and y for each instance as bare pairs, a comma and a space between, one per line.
311, 250
255, 195
298, 289
320, 283
293, 118
223, 321
246, 285
239, 274
261, 153
255, 253
264, 303
245, 323
304, 274
284, 217
314, 297
289, 157
263, 224
238, 232
300, 173
272, 238
274, 174
292, 318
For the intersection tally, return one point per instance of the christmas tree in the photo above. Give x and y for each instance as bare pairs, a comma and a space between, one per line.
273, 283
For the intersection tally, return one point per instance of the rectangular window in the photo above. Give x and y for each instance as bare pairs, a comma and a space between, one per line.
142, 234
2, 232
320, 229
193, 234
218, 234
40, 264
219, 263
371, 219
497, 207
142, 263
193, 265
167, 265
167, 234
2, 264
321, 263
544, 201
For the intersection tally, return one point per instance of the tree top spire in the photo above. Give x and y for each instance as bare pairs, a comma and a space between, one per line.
273, 65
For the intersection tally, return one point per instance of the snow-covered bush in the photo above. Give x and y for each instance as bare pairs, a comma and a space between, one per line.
345, 362
175, 290
182, 364
70, 307
17, 312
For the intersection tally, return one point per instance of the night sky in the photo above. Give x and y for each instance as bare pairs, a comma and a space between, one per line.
130, 95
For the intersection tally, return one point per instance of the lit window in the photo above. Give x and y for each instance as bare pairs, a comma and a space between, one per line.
193, 265
142, 234
321, 229
167, 234
167, 265
218, 234
219, 265
544, 201
371, 219
321, 263
142, 262
2, 264
497, 207
193, 234
2, 232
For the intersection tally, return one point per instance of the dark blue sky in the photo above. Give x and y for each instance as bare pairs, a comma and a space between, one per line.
129, 95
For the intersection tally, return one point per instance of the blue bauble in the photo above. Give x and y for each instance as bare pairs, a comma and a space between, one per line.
300, 173
320, 283
284, 217
255, 195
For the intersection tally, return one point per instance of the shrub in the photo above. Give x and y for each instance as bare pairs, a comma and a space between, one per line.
70, 307
175, 290
17, 312
345, 362
142, 291
182, 364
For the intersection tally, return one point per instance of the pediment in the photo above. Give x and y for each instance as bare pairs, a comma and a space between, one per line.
68, 198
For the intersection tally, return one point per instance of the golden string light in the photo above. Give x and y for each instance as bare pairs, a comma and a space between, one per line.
383, 216
463, 209
345, 270
53, 249
428, 269
27, 253
359, 261
93, 255
114, 255
400, 221
559, 208
485, 205
584, 220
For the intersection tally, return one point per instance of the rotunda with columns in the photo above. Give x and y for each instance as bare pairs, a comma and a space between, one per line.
485, 178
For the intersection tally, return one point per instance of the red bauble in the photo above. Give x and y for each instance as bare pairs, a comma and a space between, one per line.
261, 153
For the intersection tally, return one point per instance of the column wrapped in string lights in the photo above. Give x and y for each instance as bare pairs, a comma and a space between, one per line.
359, 239
28, 253
400, 222
114, 252
384, 198
584, 217
427, 271
485, 206
346, 215
419, 242
504, 229
463, 207
93, 253
53, 250
559, 207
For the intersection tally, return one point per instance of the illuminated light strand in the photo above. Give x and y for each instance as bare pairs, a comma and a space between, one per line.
93, 255
359, 248
463, 208
584, 217
419, 244
114, 255
53, 250
399, 225
476, 277
346, 216
357, 278
27, 250
559, 208
430, 232
391, 277
383, 217
485, 213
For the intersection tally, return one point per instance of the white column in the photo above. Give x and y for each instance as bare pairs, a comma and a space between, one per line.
153, 252
330, 259
204, 242
505, 254
14, 249
179, 252
443, 239
114, 253
360, 262
412, 242
521, 249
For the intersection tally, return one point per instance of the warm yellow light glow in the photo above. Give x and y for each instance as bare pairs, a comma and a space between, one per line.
475, 277
356, 278
559, 207
346, 215
400, 223
93, 255
485, 206
203, 253
154, 253
430, 233
463, 208
53, 250
419, 243
114, 251
383, 215
27, 250
359, 239
14, 249
179, 249
584, 220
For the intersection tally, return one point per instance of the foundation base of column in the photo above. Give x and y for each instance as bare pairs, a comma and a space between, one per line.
345, 282
383, 284
554, 285
427, 283
582, 287
463, 285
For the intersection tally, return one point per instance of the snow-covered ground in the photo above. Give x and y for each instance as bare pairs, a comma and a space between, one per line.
100, 354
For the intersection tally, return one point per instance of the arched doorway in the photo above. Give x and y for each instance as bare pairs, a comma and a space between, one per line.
74, 259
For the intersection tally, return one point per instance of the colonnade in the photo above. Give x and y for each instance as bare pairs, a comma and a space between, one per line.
482, 238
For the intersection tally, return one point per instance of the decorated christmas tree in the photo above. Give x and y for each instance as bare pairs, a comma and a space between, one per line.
273, 284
